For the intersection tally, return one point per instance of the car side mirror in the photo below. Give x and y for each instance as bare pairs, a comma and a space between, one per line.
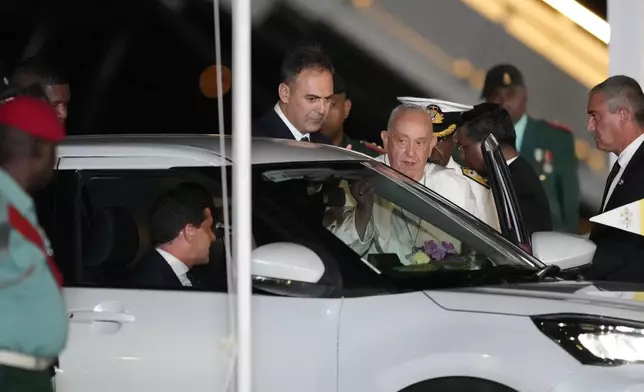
288, 269
567, 251
287, 261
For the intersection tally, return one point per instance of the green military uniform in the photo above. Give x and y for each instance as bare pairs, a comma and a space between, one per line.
550, 150
548, 147
362, 146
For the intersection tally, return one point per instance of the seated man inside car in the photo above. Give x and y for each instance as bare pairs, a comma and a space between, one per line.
181, 230
375, 225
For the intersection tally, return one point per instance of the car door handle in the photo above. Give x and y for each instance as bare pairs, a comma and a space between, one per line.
91, 316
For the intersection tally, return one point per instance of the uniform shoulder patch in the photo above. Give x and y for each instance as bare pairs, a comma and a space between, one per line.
474, 176
558, 126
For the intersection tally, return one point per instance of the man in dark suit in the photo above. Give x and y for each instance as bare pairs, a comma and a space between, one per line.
474, 127
181, 231
616, 120
548, 147
304, 98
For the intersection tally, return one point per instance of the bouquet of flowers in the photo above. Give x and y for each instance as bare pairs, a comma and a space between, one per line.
431, 251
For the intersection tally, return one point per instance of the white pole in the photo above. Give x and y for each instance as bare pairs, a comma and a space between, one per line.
626, 47
242, 186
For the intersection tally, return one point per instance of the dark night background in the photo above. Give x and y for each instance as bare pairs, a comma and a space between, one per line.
134, 65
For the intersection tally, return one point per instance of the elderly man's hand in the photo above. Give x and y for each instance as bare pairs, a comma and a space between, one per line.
363, 192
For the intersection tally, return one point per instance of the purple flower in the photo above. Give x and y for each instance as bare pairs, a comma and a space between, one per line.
449, 248
437, 252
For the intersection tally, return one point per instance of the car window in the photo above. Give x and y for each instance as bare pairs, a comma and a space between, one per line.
418, 235
98, 224
104, 214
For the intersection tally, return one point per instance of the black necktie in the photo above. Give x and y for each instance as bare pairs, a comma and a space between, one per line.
194, 278
609, 181
305, 138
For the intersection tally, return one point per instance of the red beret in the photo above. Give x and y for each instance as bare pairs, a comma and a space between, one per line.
33, 116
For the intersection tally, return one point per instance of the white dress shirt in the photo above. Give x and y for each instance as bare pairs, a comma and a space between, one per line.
624, 158
393, 230
177, 266
296, 134
486, 209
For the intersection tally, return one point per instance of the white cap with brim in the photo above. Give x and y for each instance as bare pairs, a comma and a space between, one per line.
628, 218
445, 106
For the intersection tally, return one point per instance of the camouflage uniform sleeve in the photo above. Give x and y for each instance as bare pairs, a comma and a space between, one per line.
568, 180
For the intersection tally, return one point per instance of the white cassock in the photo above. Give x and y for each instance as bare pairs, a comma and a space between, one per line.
486, 209
394, 230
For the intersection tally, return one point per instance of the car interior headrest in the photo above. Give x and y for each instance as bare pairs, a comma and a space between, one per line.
112, 239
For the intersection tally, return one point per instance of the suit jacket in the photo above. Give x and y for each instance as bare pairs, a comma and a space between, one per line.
550, 149
153, 272
620, 254
531, 196
271, 125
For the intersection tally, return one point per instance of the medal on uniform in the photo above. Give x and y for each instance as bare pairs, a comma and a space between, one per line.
547, 166
538, 154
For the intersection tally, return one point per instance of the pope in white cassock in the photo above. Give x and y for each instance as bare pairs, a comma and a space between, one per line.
375, 225
445, 118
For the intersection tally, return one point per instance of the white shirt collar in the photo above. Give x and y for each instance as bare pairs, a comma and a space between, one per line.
625, 157
177, 266
509, 161
453, 165
296, 134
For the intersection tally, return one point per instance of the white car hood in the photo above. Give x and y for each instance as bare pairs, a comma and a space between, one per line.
619, 300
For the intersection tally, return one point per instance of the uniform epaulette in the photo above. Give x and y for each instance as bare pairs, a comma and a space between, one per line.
558, 126
373, 147
474, 176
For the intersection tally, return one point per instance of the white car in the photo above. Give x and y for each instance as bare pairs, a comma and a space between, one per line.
490, 318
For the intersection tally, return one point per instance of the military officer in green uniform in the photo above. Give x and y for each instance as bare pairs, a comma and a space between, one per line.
548, 147
333, 126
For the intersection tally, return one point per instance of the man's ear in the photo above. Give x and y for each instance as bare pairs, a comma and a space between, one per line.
384, 135
188, 232
624, 116
284, 92
347, 107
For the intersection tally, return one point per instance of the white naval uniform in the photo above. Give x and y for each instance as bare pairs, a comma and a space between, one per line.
392, 230
485, 205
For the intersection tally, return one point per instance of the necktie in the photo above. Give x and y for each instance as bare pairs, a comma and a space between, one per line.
305, 138
193, 276
609, 181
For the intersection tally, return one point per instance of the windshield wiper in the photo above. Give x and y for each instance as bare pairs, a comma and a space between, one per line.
554, 271
549, 271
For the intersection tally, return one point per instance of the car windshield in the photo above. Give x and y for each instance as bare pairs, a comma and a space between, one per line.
412, 234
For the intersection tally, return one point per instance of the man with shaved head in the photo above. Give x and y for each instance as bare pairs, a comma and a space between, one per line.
375, 224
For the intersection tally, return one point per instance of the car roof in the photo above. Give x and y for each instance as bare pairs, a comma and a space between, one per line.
264, 150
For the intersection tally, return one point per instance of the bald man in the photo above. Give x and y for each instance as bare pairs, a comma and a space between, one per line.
375, 225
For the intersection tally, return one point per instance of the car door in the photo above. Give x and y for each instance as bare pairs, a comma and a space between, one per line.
129, 339
507, 205
133, 340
